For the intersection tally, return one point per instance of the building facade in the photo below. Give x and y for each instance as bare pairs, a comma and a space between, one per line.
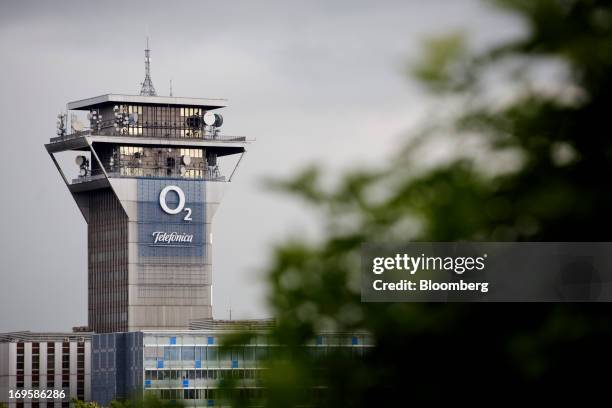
190, 365
57, 365
148, 185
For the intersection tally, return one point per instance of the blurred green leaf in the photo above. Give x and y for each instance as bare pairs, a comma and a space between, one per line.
556, 188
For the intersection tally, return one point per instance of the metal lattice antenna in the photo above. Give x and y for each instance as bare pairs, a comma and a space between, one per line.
147, 85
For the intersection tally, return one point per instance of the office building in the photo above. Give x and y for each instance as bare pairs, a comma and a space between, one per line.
54, 364
190, 365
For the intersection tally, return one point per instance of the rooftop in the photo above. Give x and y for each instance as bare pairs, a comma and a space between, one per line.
232, 325
112, 99
28, 336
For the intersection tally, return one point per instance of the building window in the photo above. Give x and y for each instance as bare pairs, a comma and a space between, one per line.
81, 370
211, 354
20, 365
172, 353
188, 353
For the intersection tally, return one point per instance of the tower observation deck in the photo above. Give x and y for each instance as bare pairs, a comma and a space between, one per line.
149, 180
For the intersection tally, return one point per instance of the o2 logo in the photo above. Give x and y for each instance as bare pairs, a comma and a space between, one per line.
181, 204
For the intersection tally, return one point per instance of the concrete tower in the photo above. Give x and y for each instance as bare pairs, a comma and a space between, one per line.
149, 182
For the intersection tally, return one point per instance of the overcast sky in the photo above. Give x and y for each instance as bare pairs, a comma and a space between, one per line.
316, 81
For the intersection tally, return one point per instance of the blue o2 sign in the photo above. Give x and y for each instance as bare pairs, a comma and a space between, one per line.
171, 219
181, 204
163, 237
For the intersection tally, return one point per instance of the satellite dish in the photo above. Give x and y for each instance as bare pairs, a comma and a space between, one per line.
218, 120
210, 118
186, 160
133, 119
80, 160
183, 170
83, 171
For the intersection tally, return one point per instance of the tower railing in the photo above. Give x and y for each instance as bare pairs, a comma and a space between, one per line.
99, 175
113, 133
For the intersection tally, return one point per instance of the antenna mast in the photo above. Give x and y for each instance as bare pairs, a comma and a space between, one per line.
147, 85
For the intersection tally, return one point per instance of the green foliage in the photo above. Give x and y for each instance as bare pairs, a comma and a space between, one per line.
148, 401
77, 403
442, 66
555, 188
